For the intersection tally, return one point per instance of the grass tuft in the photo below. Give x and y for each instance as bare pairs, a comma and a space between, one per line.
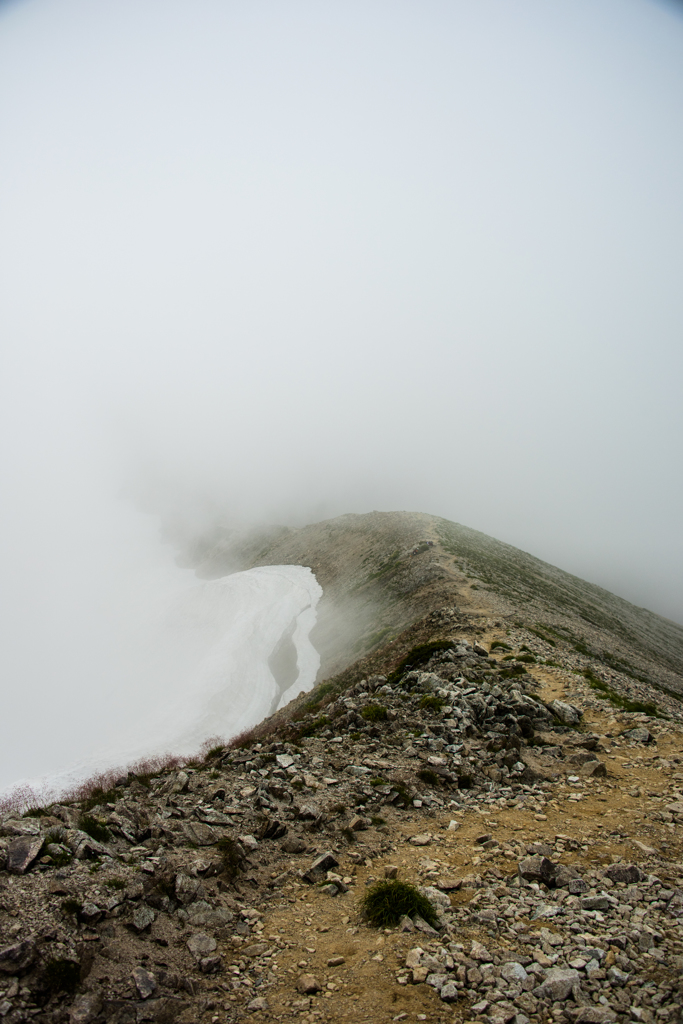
387, 901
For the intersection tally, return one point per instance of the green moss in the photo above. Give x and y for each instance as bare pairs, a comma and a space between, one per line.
387, 901
498, 645
115, 883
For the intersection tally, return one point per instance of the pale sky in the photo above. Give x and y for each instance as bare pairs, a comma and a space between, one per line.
295, 259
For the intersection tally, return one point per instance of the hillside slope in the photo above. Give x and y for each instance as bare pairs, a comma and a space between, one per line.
383, 571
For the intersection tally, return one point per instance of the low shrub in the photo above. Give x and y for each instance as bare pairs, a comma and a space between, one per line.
231, 857
431, 703
374, 713
428, 776
94, 828
61, 974
387, 901
418, 656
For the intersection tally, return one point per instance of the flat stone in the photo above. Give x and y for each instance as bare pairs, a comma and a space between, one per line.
628, 873
423, 839
595, 1015
293, 845
284, 760
257, 949
22, 852
639, 735
649, 851
596, 903
200, 944
17, 957
336, 961
210, 917
145, 983
260, 1003
200, 834
20, 827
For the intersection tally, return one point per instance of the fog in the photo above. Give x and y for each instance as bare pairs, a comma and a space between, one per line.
277, 262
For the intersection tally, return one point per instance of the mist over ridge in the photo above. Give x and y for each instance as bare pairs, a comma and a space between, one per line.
273, 265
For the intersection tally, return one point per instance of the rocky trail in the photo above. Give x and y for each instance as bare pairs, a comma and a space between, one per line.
543, 824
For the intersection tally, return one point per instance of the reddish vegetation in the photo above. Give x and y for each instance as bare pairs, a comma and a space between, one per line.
24, 798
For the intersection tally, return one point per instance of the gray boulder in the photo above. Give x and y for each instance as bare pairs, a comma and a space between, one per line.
537, 869
22, 852
558, 984
567, 713
627, 873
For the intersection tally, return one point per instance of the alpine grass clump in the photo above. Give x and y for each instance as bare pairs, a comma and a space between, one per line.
374, 713
94, 828
386, 902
